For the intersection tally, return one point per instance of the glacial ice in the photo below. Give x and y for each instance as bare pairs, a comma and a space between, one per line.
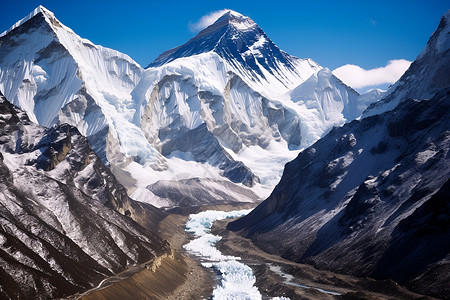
237, 279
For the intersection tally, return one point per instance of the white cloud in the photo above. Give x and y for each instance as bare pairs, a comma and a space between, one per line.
358, 78
206, 20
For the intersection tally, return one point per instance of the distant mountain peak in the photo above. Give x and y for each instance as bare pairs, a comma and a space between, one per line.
233, 13
230, 14
42, 9
238, 40
247, 51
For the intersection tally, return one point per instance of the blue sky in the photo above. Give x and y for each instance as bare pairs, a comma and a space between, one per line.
334, 33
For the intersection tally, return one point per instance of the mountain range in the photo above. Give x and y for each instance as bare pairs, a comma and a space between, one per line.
228, 106
91, 144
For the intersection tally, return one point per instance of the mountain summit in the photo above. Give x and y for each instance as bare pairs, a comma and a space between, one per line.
242, 43
209, 39
38, 10
232, 33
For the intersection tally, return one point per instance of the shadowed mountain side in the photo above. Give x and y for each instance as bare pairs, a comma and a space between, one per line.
361, 198
371, 198
64, 220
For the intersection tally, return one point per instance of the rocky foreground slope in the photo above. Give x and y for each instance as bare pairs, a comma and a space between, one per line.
372, 198
65, 222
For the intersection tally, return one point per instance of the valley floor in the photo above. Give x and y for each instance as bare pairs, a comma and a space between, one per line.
182, 277
178, 277
276, 276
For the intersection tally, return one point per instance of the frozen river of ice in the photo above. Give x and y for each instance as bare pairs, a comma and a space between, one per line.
237, 279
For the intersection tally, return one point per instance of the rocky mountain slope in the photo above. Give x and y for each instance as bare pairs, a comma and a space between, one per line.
230, 90
371, 198
65, 222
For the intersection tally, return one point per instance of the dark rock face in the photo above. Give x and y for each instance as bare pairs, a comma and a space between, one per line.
231, 37
63, 223
369, 199
418, 242
56, 150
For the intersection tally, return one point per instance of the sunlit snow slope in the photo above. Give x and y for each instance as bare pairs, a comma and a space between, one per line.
227, 105
58, 77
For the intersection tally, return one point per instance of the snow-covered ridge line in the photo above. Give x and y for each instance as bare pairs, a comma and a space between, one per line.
49, 14
36, 11
426, 76
237, 20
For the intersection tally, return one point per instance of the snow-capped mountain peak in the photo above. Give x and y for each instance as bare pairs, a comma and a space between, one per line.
441, 42
235, 19
247, 52
210, 38
232, 14
63, 78
38, 10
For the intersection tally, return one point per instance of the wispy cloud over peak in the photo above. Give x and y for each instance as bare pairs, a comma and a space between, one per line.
206, 20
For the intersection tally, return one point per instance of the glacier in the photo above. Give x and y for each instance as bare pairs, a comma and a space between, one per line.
237, 279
